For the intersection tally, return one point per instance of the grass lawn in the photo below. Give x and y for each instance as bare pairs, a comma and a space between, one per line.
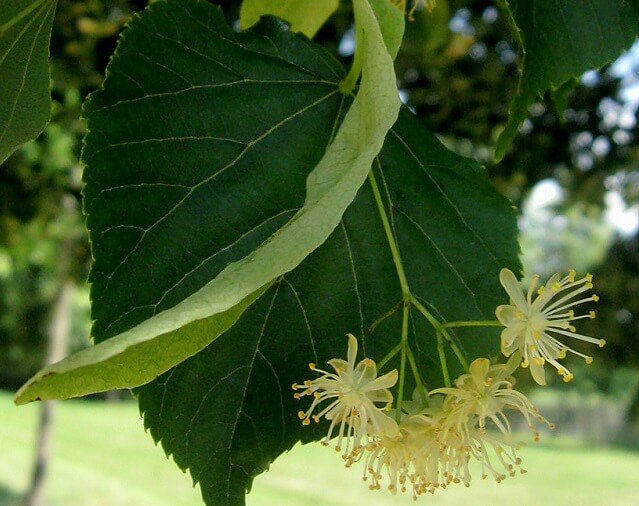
103, 458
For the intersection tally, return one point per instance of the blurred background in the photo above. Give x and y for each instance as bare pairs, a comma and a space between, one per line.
573, 173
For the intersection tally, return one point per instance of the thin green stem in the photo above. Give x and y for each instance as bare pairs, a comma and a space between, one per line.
441, 330
442, 358
402, 367
417, 376
476, 323
460, 356
390, 355
397, 259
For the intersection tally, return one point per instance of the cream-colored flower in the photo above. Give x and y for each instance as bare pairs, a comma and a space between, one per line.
390, 456
486, 392
352, 398
536, 327
461, 439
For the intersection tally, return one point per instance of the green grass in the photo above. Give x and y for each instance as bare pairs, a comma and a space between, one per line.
102, 457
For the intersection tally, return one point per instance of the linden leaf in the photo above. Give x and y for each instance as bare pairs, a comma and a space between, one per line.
228, 412
25, 104
194, 193
305, 16
561, 39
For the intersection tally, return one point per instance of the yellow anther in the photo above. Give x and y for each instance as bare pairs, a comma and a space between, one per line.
571, 314
602, 343
571, 275
307, 383
297, 396
311, 366
537, 335
590, 286
316, 418
572, 328
539, 360
301, 415
588, 360
317, 395
306, 421
562, 353
524, 364
568, 377
592, 315
556, 287
519, 315
294, 387
589, 278
541, 289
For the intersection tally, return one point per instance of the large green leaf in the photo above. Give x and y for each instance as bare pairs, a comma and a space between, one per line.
190, 173
561, 39
228, 412
25, 28
305, 16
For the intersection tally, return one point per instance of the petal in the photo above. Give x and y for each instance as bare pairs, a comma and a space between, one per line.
510, 341
339, 364
513, 363
365, 371
384, 423
380, 396
513, 288
507, 315
547, 294
352, 352
538, 373
478, 370
386, 381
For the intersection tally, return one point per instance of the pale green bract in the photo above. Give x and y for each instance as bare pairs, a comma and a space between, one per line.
140, 354
305, 16
25, 28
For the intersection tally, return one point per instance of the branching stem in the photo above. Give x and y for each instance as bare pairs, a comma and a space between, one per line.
402, 366
389, 356
477, 323
442, 358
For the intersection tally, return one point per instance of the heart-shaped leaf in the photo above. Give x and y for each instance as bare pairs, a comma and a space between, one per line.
195, 198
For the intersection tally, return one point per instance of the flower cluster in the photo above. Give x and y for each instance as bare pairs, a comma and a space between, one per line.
433, 441
428, 448
437, 444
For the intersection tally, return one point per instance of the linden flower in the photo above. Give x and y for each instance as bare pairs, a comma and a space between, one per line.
486, 392
535, 327
461, 439
353, 399
390, 456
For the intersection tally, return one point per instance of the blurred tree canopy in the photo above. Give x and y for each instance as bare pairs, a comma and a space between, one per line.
458, 71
